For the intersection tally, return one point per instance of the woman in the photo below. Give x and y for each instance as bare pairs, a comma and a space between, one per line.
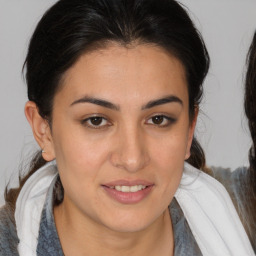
114, 89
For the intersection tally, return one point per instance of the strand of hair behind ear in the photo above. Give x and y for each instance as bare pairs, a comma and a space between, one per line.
11, 195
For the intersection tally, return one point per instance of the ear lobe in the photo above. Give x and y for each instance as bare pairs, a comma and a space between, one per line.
41, 130
191, 133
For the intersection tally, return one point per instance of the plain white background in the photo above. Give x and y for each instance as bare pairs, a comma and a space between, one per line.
227, 27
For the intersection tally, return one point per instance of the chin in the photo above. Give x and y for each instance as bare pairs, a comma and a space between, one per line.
128, 223
129, 227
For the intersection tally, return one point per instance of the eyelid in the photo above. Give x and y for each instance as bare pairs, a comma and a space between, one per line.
85, 120
171, 120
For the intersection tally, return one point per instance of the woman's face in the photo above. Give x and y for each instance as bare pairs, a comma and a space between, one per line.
120, 135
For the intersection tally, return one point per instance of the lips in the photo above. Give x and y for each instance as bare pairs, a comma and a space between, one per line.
128, 192
128, 183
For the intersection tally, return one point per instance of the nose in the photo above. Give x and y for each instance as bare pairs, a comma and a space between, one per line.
131, 152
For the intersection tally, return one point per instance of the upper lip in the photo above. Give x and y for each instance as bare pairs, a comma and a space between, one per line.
128, 183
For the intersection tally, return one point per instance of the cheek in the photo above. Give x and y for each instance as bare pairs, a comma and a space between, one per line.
171, 149
168, 157
79, 153
80, 161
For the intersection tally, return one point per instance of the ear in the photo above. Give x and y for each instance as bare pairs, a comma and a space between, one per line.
41, 130
191, 133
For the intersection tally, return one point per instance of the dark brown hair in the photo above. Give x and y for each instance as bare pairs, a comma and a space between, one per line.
249, 180
250, 108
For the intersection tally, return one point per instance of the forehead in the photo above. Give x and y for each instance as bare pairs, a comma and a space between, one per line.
117, 72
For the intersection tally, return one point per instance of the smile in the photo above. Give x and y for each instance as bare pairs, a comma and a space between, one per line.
126, 192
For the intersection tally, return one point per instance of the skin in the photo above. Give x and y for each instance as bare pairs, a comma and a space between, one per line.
134, 140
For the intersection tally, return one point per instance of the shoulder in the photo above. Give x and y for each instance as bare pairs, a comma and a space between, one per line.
238, 186
8, 235
226, 174
236, 183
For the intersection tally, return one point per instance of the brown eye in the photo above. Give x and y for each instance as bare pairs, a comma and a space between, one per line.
161, 120
96, 120
157, 120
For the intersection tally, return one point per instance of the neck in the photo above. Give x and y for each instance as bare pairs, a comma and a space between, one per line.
90, 238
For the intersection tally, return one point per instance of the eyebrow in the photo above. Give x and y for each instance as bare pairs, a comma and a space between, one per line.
165, 100
107, 104
96, 101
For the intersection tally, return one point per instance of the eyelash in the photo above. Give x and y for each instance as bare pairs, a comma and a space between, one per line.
93, 126
168, 121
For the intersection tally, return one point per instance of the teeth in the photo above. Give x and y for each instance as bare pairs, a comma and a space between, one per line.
135, 188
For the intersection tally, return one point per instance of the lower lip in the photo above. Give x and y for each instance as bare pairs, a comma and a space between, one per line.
128, 197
